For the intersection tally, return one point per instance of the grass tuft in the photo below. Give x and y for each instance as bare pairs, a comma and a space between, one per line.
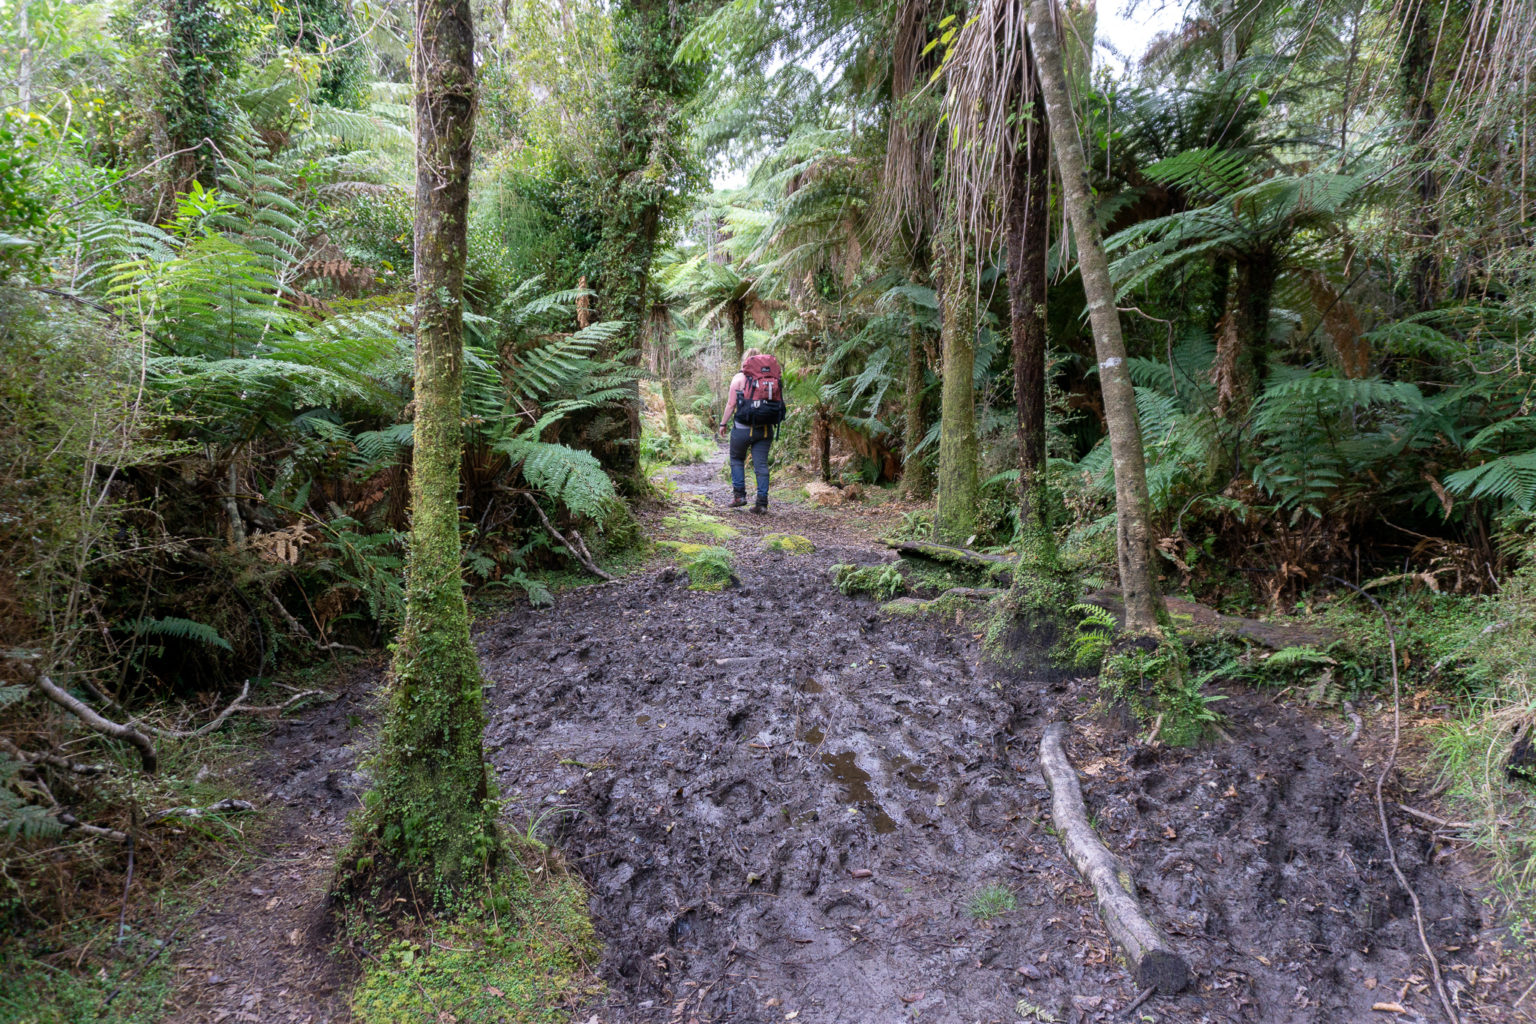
992, 900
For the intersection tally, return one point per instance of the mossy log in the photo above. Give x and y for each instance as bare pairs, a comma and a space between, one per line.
946, 553
1153, 963
919, 605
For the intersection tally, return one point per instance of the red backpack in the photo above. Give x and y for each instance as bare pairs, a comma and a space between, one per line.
761, 402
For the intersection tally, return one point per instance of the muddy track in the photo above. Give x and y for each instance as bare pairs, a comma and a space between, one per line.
783, 802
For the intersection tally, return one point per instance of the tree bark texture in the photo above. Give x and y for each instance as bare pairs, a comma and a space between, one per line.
1242, 336
959, 477
1133, 528
1417, 82
433, 815
915, 482
737, 311
1027, 246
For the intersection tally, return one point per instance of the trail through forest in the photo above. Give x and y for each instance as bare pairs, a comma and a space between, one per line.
789, 805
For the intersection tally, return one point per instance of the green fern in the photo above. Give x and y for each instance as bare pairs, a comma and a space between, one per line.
179, 629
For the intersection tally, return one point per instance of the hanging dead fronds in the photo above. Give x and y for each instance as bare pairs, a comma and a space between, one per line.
989, 104
905, 204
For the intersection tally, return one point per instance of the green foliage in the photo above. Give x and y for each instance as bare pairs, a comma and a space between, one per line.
1096, 629
1153, 679
882, 582
693, 523
518, 959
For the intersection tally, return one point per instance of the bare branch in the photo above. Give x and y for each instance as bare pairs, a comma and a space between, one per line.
203, 730
102, 725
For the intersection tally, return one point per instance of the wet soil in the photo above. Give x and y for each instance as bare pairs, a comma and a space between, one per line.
259, 949
785, 804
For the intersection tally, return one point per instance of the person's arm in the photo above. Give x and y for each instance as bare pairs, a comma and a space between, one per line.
737, 382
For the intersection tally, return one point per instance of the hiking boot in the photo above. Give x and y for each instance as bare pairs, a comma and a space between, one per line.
760, 507
738, 501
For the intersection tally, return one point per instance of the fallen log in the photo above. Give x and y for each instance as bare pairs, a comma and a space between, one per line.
924, 605
945, 553
1153, 963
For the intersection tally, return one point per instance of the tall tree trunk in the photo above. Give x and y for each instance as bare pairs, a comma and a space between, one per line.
959, 478
432, 814
1026, 239
915, 482
1133, 528
821, 442
669, 404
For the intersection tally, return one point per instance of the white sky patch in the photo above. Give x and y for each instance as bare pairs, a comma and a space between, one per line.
1126, 27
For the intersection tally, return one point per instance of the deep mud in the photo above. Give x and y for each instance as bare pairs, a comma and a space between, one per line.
784, 802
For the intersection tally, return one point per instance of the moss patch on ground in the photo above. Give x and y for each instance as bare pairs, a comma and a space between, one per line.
789, 543
527, 957
708, 567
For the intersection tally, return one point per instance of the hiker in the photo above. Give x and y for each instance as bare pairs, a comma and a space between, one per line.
753, 411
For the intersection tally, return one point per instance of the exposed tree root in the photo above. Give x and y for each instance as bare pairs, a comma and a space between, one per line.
1153, 963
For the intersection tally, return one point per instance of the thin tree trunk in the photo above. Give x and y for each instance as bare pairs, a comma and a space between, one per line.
1133, 529
432, 815
959, 478
821, 442
669, 403
1418, 79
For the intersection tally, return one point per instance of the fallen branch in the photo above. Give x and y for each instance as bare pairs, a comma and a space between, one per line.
203, 730
51, 760
945, 553
74, 824
1153, 963
102, 725
586, 562
229, 806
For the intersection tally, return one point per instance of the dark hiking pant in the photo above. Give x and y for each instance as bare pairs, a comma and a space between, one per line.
757, 439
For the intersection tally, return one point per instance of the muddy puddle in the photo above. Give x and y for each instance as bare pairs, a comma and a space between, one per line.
806, 837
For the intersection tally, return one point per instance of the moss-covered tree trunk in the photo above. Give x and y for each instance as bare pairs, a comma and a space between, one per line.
669, 403
915, 478
1132, 512
648, 169
431, 814
959, 477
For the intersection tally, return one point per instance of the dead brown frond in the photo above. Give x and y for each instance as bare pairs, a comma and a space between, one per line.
906, 199
990, 111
